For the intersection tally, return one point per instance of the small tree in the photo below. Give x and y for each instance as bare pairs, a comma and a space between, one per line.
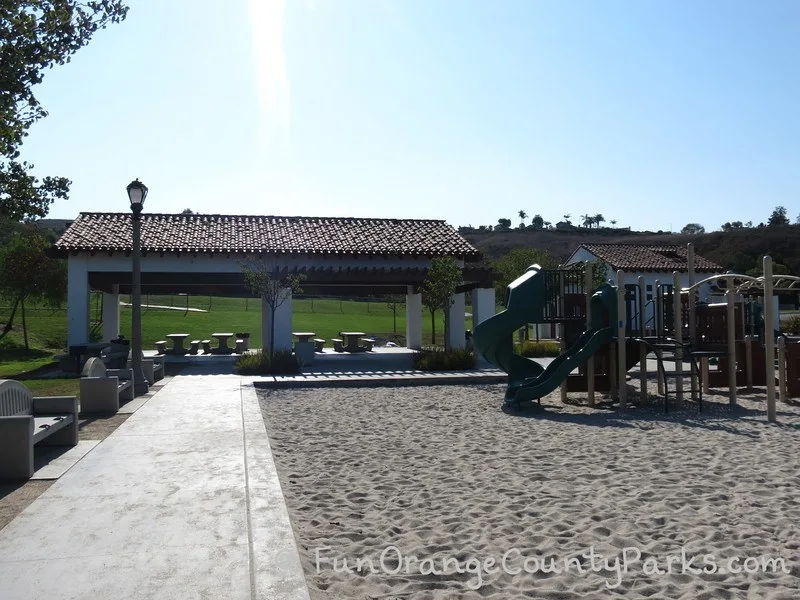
566, 219
537, 222
394, 302
598, 219
264, 280
187, 211
444, 275
587, 220
503, 225
778, 217
693, 228
26, 272
522, 216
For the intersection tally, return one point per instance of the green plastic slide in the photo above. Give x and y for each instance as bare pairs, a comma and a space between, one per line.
525, 300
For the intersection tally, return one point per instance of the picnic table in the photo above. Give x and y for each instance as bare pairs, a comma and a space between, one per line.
351, 340
89, 349
177, 342
303, 336
223, 347
304, 347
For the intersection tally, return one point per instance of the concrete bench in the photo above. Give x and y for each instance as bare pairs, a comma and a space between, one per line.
26, 421
240, 347
338, 344
195, 347
368, 343
101, 388
206, 346
319, 344
152, 368
161, 347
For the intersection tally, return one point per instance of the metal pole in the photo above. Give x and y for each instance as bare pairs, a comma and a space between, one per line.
748, 360
769, 338
562, 326
621, 359
140, 385
642, 347
782, 368
587, 284
731, 322
678, 326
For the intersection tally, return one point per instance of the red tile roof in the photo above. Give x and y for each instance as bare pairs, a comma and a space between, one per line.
641, 257
267, 234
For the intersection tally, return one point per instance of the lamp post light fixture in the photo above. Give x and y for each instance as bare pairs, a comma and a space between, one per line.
137, 192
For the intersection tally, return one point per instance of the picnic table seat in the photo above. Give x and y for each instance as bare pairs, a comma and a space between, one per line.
195, 347
101, 388
319, 344
206, 346
368, 343
152, 368
240, 346
161, 347
26, 421
338, 344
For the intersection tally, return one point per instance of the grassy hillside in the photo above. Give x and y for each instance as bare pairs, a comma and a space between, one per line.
737, 250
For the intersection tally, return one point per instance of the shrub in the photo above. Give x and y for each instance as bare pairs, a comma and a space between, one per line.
283, 362
539, 349
791, 325
440, 359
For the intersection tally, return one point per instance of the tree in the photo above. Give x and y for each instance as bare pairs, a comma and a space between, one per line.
587, 220
187, 211
522, 215
264, 280
514, 264
537, 222
394, 302
613, 222
37, 35
693, 228
598, 219
27, 273
547, 224
503, 225
778, 217
566, 219
444, 275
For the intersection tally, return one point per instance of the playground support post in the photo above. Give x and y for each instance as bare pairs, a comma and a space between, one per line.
769, 338
658, 315
561, 328
621, 360
678, 326
730, 296
642, 348
692, 310
782, 369
587, 285
748, 361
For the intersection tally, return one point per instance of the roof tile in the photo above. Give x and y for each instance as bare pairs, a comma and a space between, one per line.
267, 234
650, 257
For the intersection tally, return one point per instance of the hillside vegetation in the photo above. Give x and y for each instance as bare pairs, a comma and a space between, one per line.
738, 250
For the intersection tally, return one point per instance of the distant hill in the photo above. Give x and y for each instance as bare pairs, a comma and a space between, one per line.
737, 250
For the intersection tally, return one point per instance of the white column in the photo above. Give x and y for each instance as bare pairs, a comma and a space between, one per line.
77, 300
483, 305
413, 319
455, 332
111, 313
283, 323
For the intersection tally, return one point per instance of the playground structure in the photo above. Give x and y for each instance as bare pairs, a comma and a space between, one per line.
736, 334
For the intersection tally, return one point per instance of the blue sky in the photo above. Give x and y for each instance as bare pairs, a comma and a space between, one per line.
654, 114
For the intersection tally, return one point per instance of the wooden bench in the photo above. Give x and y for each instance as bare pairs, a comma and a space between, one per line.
26, 421
368, 343
319, 344
195, 347
240, 347
338, 344
101, 388
161, 347
206, 346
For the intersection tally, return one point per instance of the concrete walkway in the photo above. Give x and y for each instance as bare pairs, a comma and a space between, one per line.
181, 502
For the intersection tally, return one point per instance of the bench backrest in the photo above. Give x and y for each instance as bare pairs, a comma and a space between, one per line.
15, 399
94, 367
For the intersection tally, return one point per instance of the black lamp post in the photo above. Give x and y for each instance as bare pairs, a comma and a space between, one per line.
137, 192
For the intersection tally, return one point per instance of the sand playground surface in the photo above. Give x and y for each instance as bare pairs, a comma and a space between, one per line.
435, 492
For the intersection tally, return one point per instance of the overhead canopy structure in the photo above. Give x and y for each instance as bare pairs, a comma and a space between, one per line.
204, 254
